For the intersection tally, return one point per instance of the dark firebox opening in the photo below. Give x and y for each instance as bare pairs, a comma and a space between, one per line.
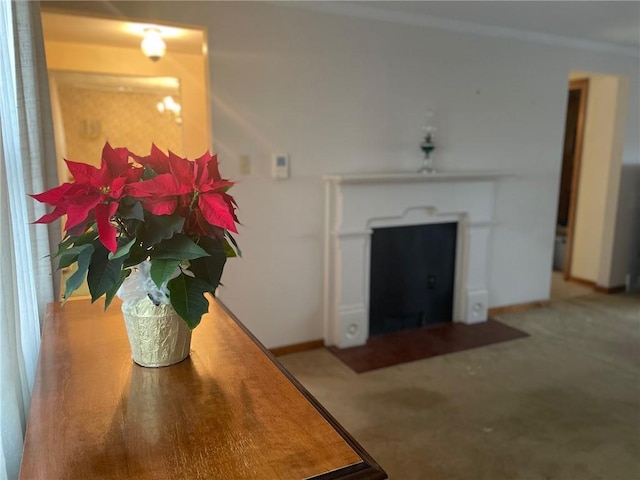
412, 276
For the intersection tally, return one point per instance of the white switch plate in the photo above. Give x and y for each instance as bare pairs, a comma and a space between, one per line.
280, 166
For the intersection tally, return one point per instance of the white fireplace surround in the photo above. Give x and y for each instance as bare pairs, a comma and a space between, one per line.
358, 203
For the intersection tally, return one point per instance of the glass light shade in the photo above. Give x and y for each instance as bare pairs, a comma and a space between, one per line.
152, 44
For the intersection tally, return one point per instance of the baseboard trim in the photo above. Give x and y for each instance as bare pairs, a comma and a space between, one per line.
517, 307
298, 347
582, 281
617, 289
596, 287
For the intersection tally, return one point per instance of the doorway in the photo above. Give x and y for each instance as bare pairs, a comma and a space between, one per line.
570, 174
104, 88
106, 53
596, 247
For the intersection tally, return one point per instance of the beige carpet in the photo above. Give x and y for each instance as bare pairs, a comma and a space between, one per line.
561, 404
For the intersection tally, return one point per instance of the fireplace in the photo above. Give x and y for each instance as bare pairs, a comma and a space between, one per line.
359, 205
412, 272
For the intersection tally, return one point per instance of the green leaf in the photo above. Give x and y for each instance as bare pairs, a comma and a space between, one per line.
130, 208
76, 240
138, 253
228, 249
87, 237
122, 250
161, 227
148, 173
103, 273
64, 244
162, 269
75, 280
187, 298
235, 244
211, 245
114, 289
179, 247
209, 269
70, 255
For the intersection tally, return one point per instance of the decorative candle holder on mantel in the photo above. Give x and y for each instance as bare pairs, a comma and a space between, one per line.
427, 161
427, 146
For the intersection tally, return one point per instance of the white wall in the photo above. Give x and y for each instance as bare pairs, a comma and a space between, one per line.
349, 95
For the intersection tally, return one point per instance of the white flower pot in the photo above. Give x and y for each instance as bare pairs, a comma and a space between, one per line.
157, 335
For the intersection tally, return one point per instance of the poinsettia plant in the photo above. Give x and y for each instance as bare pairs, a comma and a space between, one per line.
161, 208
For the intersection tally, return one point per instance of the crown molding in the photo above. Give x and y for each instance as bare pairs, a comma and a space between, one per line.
360, 10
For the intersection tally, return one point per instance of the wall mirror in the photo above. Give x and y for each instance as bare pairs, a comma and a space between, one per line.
125, 110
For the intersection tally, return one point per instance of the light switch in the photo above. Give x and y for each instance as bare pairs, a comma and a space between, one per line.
244, 165
280, 166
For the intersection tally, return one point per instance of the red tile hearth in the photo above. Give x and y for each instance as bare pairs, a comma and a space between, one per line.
418, 343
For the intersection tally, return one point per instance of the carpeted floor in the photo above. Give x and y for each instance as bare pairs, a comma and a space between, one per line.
561, 404
419, 343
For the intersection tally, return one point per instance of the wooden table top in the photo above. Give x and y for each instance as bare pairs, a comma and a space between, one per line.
229, 411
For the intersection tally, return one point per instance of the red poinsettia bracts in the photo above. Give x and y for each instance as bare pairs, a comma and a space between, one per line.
194, 188
173, 214
94, 194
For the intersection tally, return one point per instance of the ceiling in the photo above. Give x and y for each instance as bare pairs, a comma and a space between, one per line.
59, 27
614, 25
597, 21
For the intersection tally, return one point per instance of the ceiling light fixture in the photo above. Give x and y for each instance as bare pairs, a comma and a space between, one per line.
153, 45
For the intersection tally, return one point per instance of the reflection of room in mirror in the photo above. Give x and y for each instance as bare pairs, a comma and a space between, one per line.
170, 107
123, 110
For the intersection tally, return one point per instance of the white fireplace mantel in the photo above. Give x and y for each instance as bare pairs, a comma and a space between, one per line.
358, 203
411, 177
